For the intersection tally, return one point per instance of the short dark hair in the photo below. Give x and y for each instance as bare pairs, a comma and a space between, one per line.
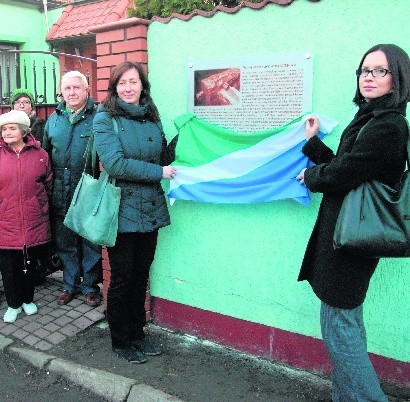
145, 97
399, 65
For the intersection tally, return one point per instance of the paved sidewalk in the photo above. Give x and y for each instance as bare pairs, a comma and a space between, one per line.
53, 323
62, 340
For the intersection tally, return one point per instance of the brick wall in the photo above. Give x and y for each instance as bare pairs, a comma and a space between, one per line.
117, 42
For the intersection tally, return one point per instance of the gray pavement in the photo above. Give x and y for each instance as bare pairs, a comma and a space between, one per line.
30, 336
73, 342
53, 323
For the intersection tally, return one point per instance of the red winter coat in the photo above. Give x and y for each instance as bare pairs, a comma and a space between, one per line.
25, 188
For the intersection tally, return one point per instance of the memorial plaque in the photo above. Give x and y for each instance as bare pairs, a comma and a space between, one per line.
251, 93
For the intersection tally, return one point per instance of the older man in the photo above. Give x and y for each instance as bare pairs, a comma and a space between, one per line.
66, 135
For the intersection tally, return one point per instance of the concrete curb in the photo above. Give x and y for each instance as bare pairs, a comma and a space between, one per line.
110, 386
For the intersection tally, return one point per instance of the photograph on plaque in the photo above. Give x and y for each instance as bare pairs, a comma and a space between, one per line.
217, 87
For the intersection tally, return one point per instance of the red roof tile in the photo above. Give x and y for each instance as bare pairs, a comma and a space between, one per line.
233, 10
75, 20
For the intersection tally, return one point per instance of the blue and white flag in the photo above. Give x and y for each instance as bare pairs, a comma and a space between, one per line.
215, 164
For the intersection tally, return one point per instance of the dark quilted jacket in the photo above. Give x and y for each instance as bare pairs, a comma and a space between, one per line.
134, 157
66, 143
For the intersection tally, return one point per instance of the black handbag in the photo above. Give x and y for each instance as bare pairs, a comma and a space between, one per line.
374, 220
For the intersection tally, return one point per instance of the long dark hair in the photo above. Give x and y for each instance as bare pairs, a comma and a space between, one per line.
399, 65
145, 97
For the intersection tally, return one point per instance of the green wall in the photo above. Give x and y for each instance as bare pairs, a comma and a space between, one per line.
243, 260
24, 25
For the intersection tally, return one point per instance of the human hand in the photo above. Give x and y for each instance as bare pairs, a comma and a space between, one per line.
301, 176
168, 172
312, 126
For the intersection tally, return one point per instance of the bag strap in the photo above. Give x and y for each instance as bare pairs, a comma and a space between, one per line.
408, 137
104, 179
115, 124
90, 153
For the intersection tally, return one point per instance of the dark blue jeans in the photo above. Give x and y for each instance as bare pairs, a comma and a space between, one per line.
130, 262
80, 258
344, 335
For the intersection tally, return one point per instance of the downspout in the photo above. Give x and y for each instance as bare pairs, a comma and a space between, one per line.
46, 15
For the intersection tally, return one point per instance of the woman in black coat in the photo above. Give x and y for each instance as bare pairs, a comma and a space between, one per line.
340, 280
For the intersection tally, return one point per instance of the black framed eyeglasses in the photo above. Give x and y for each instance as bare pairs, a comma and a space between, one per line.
26, 102
376, 72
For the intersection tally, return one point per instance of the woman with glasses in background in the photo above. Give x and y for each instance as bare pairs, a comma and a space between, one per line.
339, 279
22, 99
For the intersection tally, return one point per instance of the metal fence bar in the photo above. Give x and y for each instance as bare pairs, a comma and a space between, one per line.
55, 82
35, 80
25, 74
45, 83
1, 85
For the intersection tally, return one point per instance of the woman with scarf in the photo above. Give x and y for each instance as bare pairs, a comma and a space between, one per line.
132, 148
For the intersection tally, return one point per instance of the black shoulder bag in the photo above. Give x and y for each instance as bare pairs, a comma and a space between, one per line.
374, 220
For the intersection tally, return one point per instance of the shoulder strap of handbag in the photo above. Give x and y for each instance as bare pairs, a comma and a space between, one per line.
115, 124
90, 153
408, 138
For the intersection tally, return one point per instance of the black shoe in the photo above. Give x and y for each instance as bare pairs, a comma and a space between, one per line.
146, 347
131, 355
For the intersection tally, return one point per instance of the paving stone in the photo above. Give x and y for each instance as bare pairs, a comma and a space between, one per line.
45, 319
41, 333
63, 320
66, 307
49, 297
55, 338
83, 308
32, 326
76, 302
9, 329
45, 310
57, 312
43, 345
82, 322
29, 318
74, 314
69, 330
52, 327
20, 322
31, 340
20, 334
94, 315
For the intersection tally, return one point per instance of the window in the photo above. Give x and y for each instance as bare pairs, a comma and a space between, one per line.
8, 72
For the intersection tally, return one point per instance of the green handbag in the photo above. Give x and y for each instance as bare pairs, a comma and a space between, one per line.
93, 212
374, 220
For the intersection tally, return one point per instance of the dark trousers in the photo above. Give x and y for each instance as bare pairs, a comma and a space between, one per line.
130, 261
18, 285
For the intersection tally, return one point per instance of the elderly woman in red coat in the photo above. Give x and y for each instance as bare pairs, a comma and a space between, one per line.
25, 187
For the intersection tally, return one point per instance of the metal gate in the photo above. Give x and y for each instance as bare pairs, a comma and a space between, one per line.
35, 70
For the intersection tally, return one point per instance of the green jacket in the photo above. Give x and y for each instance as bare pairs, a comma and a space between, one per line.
134, 156
66, 142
